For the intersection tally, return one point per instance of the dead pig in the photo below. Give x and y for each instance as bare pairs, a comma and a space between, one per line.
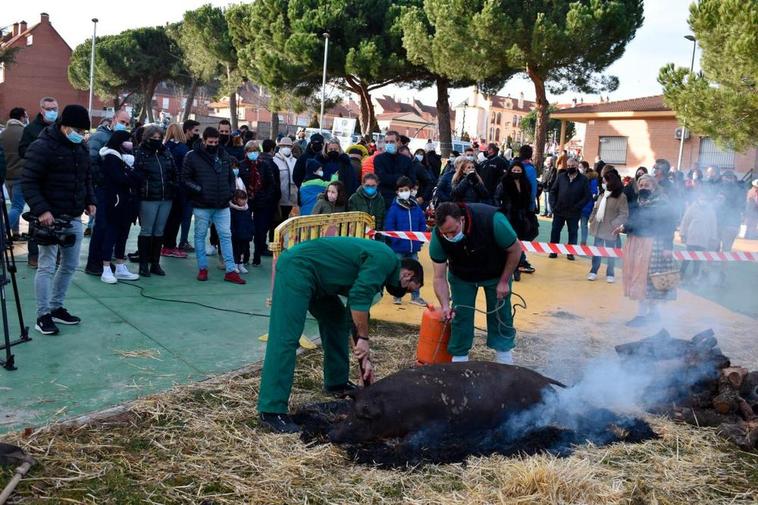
456, 396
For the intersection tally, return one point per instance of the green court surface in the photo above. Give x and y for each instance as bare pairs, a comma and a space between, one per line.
128, 345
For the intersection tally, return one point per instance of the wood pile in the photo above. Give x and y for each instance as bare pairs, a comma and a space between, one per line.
692, 380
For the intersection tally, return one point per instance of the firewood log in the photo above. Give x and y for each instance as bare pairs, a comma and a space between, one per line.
726, 401
705, 417
736, 375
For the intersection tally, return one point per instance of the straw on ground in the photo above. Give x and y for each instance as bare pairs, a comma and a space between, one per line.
201, 444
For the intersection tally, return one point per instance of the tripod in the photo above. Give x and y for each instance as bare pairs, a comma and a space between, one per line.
8, 266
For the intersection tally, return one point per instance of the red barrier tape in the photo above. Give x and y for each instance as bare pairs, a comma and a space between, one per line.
585, 250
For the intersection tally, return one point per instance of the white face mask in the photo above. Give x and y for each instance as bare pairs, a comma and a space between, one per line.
404, 195
286, 151
319, 172
414, 192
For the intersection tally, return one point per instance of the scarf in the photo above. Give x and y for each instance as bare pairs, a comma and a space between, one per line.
237, 207
601, 208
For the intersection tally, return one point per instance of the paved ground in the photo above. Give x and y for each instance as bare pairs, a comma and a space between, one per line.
130, 345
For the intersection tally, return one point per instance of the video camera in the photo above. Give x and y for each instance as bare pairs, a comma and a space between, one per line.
56, 234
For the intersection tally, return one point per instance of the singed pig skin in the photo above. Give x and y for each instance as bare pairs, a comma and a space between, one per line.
473, 395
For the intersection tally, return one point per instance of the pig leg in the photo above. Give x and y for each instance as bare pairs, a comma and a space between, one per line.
334, 324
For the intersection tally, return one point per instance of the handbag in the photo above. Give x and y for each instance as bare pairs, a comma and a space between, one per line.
665, 281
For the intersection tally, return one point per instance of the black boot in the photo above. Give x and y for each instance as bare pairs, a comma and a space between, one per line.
155, 256
143, 243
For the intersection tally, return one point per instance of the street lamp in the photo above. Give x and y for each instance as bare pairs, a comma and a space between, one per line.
92, 66
323, 83
684, 129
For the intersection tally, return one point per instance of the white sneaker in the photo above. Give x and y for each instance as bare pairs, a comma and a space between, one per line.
397, 301
504, 357
107, 276
242, 268
611, 279
591, 276
123, 273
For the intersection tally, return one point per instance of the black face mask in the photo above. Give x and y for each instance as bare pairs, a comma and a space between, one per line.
571, 170
645, 194
223, 139
154, 144
211, 149
316, 147
396, 291
333, 155
194, 138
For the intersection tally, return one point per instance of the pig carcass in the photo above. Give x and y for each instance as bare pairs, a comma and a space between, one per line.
453, 396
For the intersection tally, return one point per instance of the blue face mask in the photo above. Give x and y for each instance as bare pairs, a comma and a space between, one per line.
236, 172
391, 148
74, 137
253, 155
420, 157
369, 190
51, 115
457, 238
118, 127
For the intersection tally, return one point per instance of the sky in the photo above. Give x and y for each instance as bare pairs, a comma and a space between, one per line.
659, 41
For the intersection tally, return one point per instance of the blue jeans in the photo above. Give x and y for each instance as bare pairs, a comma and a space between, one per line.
17, 203
584, 229
413, 256
547, 210
596, 260
153, 216
222, 219
51, 284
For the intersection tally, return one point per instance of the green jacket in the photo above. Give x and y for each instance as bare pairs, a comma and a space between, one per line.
324, 206
9, 140
357, 268
373, 205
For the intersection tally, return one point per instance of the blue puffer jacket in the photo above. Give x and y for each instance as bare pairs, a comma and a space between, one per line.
594, 189
406, 216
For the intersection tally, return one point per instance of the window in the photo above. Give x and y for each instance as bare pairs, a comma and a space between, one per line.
497, 135
712, 156
613, 150
165, 103
30, 40
515, 121
499, 118
194, 102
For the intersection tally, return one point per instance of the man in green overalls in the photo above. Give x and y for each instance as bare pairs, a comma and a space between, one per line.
479, 245
309, 278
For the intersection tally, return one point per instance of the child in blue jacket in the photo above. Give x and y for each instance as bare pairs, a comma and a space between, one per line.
405, 214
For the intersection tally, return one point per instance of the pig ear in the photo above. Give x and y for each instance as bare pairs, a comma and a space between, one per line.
370, 410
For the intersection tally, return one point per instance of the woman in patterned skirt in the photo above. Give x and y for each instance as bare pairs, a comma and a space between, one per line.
648, 250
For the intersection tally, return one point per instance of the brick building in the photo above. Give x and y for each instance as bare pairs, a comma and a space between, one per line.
633, 133
40, 69
410, 118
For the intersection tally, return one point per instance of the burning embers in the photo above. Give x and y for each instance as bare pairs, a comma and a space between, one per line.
691, 380
445, 413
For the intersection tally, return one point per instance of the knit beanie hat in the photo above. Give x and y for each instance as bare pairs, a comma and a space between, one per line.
75, 116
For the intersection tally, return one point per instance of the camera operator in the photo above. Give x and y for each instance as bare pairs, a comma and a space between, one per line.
467, 185
57, 182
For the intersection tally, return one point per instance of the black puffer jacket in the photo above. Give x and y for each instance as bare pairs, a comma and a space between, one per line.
208, 178
568, 197
56, 176
158, 172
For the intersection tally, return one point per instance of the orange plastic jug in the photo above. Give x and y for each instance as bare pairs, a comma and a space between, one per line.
433, 338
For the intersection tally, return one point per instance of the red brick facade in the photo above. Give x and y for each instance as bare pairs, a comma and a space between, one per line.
40, 69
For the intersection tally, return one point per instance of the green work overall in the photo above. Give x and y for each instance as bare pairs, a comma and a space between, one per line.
309, 278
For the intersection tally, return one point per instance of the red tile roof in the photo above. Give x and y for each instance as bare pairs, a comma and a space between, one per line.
643, 104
